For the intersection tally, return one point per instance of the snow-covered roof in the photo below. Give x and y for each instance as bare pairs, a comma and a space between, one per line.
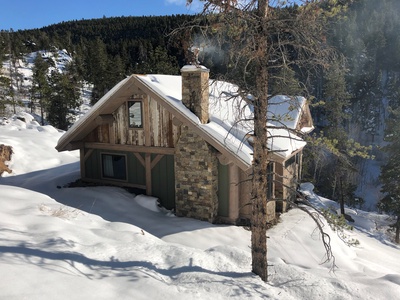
231, 117
230, 123
285, 111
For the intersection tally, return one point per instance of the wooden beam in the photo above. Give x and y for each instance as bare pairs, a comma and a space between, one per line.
115, 183
176, 121
112, 133
131, 148
156, 160
223, 159
74, 146
139, 158
87, 154
104, 119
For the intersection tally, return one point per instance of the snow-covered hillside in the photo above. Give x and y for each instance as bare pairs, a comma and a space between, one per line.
106, 243
21, 70
21, 73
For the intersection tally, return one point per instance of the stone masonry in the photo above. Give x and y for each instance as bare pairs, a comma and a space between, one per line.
195, 90
196, 177
196, 163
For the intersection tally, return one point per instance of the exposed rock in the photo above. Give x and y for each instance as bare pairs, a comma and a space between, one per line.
5, 155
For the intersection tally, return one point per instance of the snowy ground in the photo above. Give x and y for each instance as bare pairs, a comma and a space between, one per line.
105, 243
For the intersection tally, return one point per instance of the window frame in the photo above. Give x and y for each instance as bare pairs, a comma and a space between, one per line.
103, 176
129, 105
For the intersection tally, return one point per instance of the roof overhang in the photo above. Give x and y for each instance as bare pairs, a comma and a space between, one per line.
80, 129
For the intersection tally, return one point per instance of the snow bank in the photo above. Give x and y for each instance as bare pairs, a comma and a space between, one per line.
105, 243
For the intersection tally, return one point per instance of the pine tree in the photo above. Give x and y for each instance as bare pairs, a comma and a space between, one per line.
390, 176
40, 90
64, 97
96, 64
5, 93
161, 63
332, 153
284, 82
115, 70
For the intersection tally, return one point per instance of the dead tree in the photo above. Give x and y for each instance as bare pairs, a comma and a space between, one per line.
261, 37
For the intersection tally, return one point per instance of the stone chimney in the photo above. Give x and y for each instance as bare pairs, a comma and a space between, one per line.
195, 90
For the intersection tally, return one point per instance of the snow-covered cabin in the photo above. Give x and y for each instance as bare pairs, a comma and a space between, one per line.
183, 139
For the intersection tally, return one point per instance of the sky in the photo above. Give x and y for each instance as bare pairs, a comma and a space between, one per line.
28, 14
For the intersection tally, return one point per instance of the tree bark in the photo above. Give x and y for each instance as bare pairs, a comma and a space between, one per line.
260, 151
397, 238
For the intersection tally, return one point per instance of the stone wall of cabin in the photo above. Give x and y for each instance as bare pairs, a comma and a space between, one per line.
196, 177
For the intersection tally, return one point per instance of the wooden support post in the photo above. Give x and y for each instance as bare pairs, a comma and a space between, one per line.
83, 162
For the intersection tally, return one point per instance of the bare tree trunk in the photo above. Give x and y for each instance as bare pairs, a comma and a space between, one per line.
397, 238
302, 34
260, 159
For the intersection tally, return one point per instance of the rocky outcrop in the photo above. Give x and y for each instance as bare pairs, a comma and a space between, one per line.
5, 155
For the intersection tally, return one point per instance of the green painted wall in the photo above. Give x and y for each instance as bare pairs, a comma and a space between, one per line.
93, 165
223, 190
163, 178
135, 170
163, 181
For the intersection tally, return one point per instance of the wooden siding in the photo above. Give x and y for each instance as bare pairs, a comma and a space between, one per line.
100, 134
93, 165
123, 134
163, 181
158, 129
136, 171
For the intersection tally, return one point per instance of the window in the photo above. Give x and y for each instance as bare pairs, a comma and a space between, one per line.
135, 114
290, 161
114, 166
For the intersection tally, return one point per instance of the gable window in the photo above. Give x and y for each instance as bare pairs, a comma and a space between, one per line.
114, 166
135, 114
